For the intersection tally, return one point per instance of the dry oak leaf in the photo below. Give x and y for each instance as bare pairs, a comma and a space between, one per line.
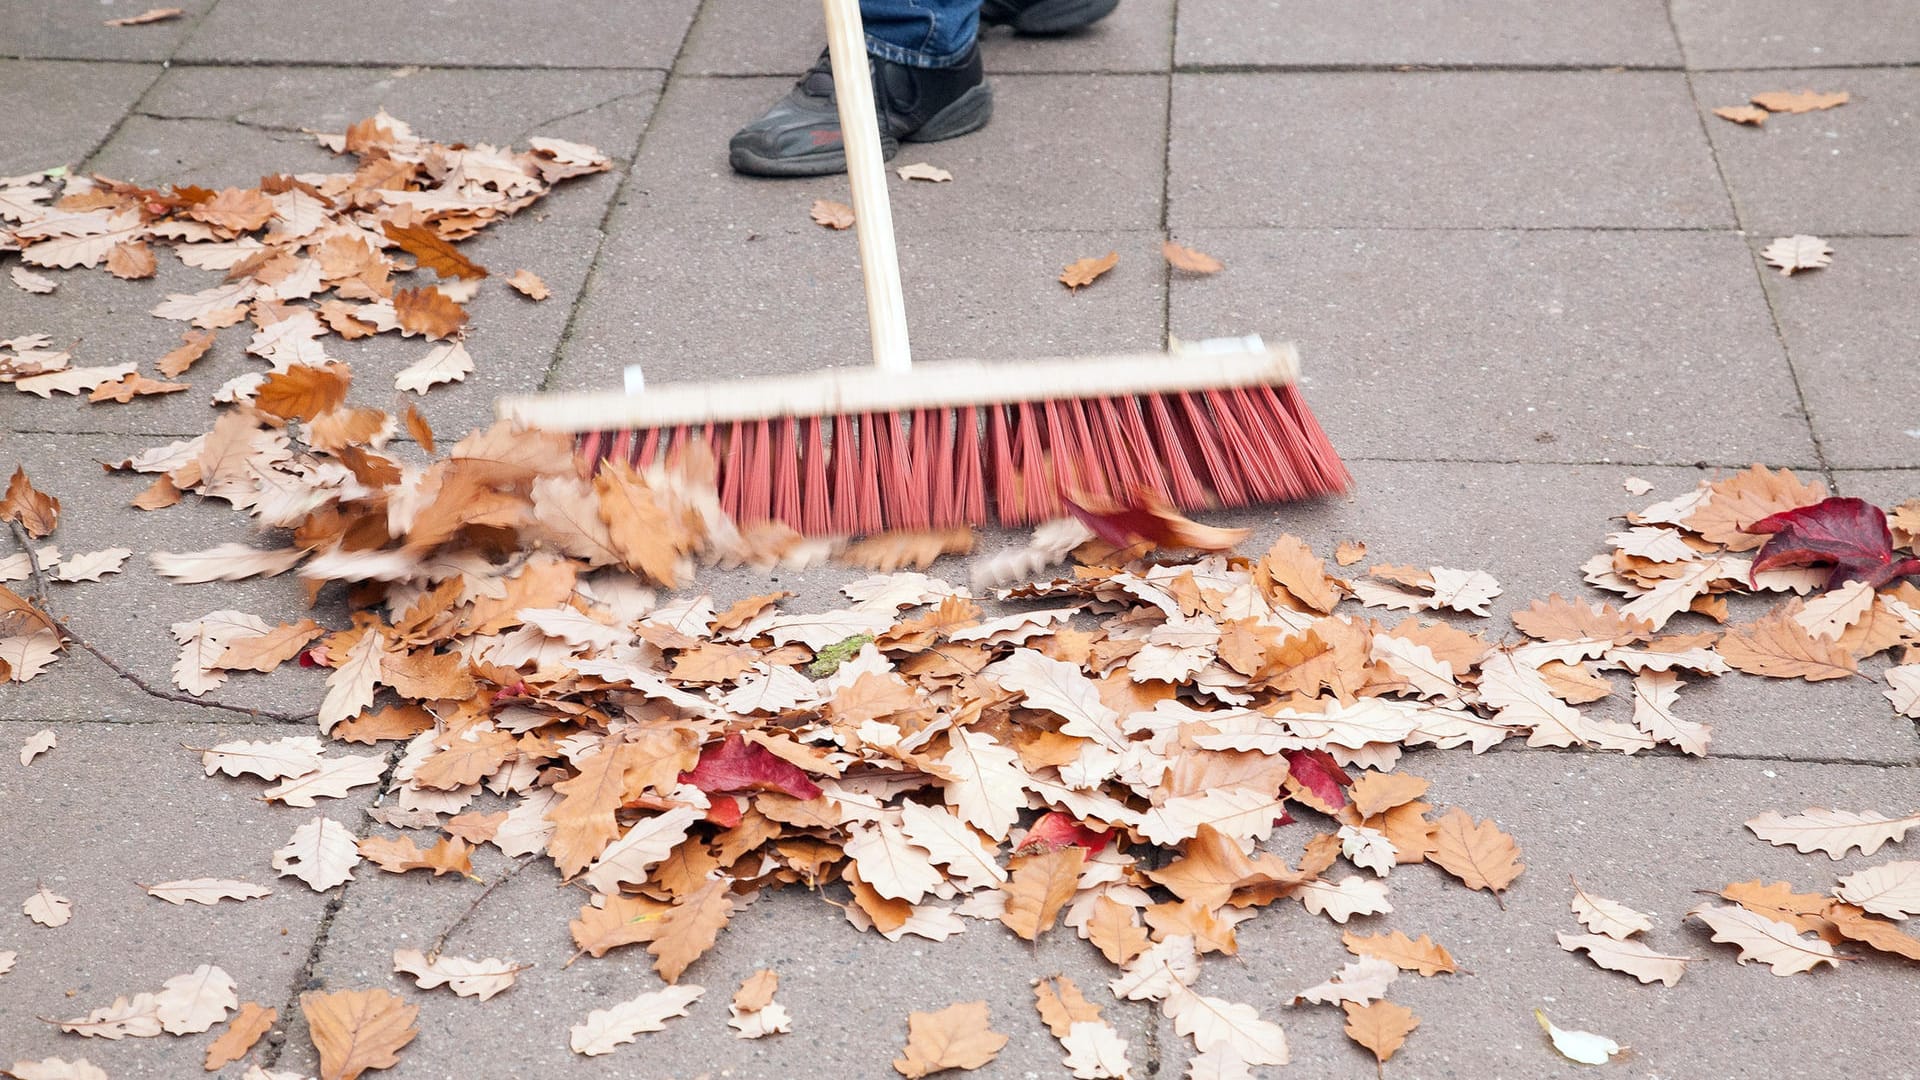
151, 15
35, 510
621, 920
264, 652
357, 1030
208, 891
1582, 1046
432, 252
1560, 619
1148, 518
1849, 923
295, 755
1629, 957
429, 312
37, 743
304, 391
1477, 853
1779, 647
1377, 792
1381, 1026
607, 1028
1294, 565
1041, 884
1773, 943
466, 978
1805, 912
128, 387
1740, 500
1891, 889
956, 1037
1603, 916
47, 908
917, 548
757, 990
1799, 101
921, 170
689, 928
646, 536
1215, 1023
442, 364
7, 958
1114, 930
1083, 272
31, 282
831, 214
132, 260
321, 853
91, 565
235, 210
1739, 114
136, 1018
192, 1003
1095, 1050
1193, 262
253, 1021
1407, 954
1798, 252
331, 779
1835, 832
194, 345
1362, 981
350, 686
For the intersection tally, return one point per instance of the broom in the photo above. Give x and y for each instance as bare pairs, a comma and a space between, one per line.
851, 451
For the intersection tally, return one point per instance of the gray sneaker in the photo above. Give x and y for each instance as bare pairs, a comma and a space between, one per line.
800, 134
1045, 16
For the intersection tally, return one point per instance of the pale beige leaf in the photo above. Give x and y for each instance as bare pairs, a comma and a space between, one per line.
1361, 981
351, 684
987, 783
228, 562
1654, 695
202, 641
208, 891
47, 908
191, 1003
1630, 957
31, 282
1799, 252
1407, 954
1216, 1023
770, 1019
27, 655
321, 853
956, 1037
466, 978
920, 170
331, 779
528, 284
72, 380
1835, 832
294, 755
1739, 114
1582, 1046
1153, 975
1368, 849
1829, 614
1772, 943
1095, 1050
833, 215
137, 1018
92, 565
1343, 899
648, 842
1903, 690
1891, 889
970, 862
442, 364
37, 743
1609, 917
56, 1069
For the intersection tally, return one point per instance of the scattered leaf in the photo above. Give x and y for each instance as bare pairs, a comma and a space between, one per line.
920, 170
831, 214
956, 1037
1083, 272
1191, 261
1800, 252
357, 1030
1801, 101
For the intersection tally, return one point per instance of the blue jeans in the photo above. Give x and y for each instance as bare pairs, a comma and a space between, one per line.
920, 33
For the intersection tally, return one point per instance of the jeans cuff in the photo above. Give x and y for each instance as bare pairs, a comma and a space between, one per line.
887, 50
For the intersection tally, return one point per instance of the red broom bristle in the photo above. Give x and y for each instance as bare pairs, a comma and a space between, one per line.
936, 467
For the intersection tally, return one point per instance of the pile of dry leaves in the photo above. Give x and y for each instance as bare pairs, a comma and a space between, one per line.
1107, 750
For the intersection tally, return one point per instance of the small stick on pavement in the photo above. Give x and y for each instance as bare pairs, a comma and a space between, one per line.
433, 953
46, 608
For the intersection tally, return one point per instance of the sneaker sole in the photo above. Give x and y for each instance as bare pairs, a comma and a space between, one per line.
1059, 16
967, 114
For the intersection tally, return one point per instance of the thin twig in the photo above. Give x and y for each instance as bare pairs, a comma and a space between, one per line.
433, 953
66, 632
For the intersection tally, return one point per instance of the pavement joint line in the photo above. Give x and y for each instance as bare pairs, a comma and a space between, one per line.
1166, 184
667, 82
1673, 756
366, 65
324, 930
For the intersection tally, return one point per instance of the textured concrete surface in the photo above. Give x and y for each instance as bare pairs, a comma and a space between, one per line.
115, 806
1424, 150
1840, 170
1301, 33
1583, 346
1517, 280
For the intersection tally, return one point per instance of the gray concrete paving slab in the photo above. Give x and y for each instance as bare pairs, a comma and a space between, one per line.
1425, 150
1781, 33
1299, 33
92, 99
1842, 170
1886, 487
1647, 833
128, 615
1063, 152
1851, 329
740, 37
1529, 346
701, 303
114, 806
80, 31
606, 109
849, 993
485, 33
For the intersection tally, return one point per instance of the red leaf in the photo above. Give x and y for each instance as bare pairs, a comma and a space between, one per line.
1056, 830
1321, 775
724, 812
1849, 533
737, 765
1147, 517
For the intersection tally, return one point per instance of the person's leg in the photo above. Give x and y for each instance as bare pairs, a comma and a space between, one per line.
1045, 16
927, 85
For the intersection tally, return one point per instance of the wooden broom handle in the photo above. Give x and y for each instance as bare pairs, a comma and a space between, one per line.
866, 170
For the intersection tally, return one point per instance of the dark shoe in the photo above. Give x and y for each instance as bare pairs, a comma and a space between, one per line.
800, 135
1045, 16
